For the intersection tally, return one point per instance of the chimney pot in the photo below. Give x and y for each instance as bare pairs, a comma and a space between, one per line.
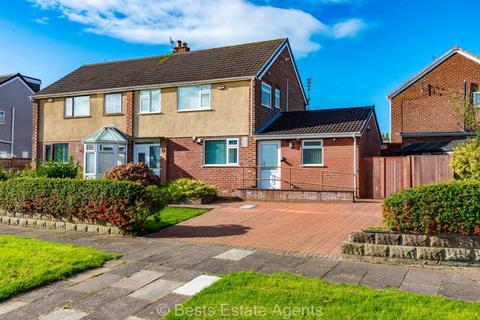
181, 47
179, 43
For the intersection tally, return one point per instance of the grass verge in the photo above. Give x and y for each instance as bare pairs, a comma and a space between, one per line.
249, 295
170, 216
26, 263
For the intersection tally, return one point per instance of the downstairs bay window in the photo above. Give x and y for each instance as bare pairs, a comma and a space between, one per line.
99, 158
221, 152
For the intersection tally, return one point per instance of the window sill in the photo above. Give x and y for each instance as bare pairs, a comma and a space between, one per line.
79, 117
149, 113
266, 106
195, 110
113, 114
221, 165
313, 165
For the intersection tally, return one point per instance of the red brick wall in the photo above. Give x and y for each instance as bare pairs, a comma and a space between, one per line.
425, 106
184, 159
75, 150
35, 114
280, 73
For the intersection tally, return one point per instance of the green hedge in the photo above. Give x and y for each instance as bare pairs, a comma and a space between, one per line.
119, 203
431, 209
189, 188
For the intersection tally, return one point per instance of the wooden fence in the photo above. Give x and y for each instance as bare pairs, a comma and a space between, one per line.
383, 176
14, 164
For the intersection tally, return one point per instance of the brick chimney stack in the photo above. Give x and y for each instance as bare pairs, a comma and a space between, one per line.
181, 47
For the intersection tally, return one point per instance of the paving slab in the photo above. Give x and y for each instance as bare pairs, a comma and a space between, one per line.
82, 276
97, 300
161, 307
63, 314
427, 276
128, 268
96, 283
382, 276
467, 292
120, 308
420, 288
234, 254
137, 280
155, 290
196, 285
7, 306
350, 272
181, 275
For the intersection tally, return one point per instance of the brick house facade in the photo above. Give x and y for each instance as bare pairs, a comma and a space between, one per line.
180, 138
421, 108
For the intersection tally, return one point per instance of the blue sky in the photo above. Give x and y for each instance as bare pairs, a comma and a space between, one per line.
356, 51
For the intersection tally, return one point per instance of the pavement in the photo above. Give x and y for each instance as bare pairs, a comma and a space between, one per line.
309, 228
155, 274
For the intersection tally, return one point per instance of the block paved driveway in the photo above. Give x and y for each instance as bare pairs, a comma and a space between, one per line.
155, 274
310, 228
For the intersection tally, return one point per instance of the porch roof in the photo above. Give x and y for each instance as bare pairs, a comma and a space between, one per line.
430, 147
106, 135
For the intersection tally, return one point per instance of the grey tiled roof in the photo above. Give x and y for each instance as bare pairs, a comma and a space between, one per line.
217, 63
341, 120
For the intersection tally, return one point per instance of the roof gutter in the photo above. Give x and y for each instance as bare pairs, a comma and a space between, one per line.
143, 87
308, 136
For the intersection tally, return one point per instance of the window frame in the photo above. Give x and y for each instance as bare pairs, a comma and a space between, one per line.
310, 147
52, 156
105, 103
3, 117
150, 101
200, 92
269, 93
277, 91
73, 107
227, 156
475, 94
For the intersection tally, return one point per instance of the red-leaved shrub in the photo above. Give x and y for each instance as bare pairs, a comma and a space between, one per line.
133, 172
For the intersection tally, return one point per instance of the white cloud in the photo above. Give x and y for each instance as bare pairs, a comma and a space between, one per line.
42, 20
203, 23
349, 28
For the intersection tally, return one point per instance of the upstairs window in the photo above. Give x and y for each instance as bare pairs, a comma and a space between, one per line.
2, 117
150, 101
77, 107
312, 152
221, 152
194, 98
277, 98
266, 95
476, 99
113, 103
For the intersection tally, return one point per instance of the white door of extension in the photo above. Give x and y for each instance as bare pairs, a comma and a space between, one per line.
269, 165
148, 154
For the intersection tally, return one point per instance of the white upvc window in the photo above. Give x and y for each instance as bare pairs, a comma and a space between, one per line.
150, 101
277, 98
101, 157
77, 106
220, 152
266, 95
312, 152
193, 98
113, 103
476, 99
2, 117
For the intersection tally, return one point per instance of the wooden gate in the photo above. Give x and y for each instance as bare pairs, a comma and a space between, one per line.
383, 176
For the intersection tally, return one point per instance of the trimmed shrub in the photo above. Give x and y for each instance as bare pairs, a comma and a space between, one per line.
4, 175
189, 188
466, 160
431, 209
52, 169
119, 203
133, 172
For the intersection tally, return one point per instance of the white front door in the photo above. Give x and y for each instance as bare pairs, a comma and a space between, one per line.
148, 154
269, 165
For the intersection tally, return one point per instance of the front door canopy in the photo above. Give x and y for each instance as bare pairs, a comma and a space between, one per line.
107, 135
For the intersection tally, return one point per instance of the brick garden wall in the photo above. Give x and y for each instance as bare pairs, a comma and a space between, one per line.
425, 106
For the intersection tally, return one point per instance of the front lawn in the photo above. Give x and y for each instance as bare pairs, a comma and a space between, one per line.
170, 216
284, 296
27, 263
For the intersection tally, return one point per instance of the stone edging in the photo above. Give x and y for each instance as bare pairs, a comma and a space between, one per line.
378, 246
60, 226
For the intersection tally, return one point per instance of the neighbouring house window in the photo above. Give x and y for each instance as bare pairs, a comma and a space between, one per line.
77, 106
2, 117
59, 153
150, 101
312, 152
277, 98
194, 98
221, 152
266, 95
476, 99
113, 103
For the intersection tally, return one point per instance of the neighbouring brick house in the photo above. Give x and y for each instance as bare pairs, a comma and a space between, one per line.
208, 114
16, 115
423, 119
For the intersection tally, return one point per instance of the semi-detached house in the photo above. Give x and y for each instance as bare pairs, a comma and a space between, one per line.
232, 116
